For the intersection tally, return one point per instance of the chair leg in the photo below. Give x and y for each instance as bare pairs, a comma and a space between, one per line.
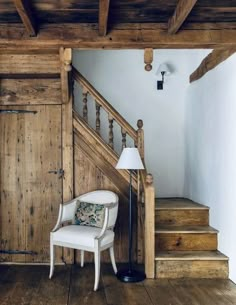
97, 268
52, 259
82, 258
112, 256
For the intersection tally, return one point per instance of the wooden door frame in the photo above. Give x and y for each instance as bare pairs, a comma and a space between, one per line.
67, 135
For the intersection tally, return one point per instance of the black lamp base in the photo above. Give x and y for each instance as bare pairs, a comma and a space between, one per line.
130, 276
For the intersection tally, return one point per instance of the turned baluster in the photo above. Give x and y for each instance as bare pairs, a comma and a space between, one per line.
98, 118
140, 138
111, 131
85, 107
123, 133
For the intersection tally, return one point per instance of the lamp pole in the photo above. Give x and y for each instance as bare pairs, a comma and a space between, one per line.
130, 159
130, 221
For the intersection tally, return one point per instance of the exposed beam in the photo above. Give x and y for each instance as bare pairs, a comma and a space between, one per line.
210, 62
103, 16
85, 36
181, 12
24, 11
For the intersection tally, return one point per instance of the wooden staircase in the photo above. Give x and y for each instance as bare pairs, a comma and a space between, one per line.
174, 239
185, 244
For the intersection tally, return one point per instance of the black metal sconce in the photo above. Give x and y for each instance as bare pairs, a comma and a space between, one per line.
163, 70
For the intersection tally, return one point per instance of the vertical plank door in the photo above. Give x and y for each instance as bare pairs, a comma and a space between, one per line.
30, 146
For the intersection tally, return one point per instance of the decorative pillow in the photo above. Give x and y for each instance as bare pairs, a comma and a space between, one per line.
89, 214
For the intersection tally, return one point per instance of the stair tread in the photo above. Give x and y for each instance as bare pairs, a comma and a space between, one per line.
185, 229
191, 255
178, 203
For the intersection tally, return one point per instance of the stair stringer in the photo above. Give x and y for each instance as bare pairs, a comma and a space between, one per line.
91, 153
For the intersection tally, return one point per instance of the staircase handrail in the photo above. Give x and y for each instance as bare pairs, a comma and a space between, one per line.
104, 104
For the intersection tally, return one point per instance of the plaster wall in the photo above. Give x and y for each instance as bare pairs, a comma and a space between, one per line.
210, 168
120, 77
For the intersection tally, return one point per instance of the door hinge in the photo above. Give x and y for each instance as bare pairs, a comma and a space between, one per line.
60, 172
17, 111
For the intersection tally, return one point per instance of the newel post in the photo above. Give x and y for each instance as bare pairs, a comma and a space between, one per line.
149, 227
66, 60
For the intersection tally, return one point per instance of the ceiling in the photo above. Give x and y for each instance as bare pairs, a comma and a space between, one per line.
122, 11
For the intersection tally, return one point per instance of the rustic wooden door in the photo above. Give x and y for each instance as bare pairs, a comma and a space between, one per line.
31, 146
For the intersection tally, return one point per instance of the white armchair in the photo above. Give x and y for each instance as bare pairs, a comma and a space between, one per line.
86, 238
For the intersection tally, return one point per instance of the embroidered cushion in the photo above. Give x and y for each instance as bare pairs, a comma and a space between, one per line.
89, 214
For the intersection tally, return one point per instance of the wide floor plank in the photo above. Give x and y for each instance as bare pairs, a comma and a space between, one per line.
81, 288
72, 285
118, 293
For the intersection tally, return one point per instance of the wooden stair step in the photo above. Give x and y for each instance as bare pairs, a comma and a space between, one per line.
174, 212
190, 255
178, 203
186, 229
191, 264
185, 238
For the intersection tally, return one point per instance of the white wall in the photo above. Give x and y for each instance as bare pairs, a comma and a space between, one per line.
211, 151
120, 77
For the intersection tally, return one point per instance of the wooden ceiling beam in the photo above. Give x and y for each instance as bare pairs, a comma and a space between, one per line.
181, 12
103, 16
85, 36
25, 14
210, 62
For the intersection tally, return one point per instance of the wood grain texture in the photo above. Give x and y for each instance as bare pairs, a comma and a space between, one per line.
149, 227
73, 285
103, 16
30, 91
102, 163
30, 196
81, 288
29, 64
24, 10
210, 62
65, 60
178, 204
181, 217
120, 11
182, 11
190, 256
123, 293
88, 177
186, 241
192, 269
101, 147
121, 36
67, 155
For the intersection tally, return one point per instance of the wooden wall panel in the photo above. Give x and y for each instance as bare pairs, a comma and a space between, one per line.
29, 64
30, 91
30, 196
88, 177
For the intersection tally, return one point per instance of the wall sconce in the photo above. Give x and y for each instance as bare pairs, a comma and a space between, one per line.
163, 70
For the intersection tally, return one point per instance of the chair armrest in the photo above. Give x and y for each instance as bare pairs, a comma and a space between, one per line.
105, 224
66, 213
108, 207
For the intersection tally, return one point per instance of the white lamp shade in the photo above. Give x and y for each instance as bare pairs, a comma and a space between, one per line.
163, 68
130, 159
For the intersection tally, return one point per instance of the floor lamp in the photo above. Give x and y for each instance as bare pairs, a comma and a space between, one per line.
130, 159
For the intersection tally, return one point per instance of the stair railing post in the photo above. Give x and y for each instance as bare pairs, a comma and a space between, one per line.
98, 123
123, 134
111, 136
85, 107
140, 138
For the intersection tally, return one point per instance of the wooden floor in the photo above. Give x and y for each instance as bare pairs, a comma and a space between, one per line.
29, 285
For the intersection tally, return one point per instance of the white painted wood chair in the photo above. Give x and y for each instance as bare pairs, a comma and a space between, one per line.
86, 238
